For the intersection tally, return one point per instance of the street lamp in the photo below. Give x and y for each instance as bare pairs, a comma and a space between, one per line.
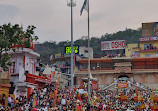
71, 3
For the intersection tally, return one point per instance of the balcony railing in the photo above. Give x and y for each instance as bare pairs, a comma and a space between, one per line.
148, 49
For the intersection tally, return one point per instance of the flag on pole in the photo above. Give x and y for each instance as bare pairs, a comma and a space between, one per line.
85, 6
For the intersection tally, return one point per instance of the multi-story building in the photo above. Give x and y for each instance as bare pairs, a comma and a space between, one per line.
132, 50
142, 70
148, 46
25, 71
63, 63
83, 51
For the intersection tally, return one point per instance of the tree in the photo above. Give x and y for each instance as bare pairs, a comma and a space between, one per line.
11, 35
47, 48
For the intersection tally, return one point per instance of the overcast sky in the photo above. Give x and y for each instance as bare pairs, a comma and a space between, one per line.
52, 17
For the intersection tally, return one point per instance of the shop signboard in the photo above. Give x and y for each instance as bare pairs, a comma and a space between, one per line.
148, 39
113, 45
94, 85
58, 55
75, 49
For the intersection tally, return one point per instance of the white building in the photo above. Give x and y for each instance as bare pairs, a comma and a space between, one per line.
84, 52
23, 61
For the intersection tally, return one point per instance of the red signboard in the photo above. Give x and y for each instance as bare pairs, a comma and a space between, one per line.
113, 45
94, 85
148, 39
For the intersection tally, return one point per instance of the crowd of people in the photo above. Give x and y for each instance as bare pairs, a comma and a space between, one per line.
114, 55
116, 99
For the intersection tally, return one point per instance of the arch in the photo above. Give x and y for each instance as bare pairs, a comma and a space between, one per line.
123, 77
120, 76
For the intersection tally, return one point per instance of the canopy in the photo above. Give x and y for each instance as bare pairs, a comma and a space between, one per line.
47, 70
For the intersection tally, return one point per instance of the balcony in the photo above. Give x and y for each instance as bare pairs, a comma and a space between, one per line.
149, 49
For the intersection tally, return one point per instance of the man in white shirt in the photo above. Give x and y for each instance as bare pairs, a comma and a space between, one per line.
63, 101
104, 106
9, 101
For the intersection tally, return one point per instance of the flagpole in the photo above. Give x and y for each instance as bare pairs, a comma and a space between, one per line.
89, 93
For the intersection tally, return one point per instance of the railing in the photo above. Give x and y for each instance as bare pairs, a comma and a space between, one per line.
148, 49
138, 86
114, 85
109, 86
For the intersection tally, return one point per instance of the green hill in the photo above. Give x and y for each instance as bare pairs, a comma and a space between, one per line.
46, 49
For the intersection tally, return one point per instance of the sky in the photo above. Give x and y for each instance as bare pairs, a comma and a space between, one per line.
52, 18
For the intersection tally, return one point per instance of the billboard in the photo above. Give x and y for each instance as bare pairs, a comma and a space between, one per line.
75, 49
150, 29
58, 55
113, 45
148, 39
94, 85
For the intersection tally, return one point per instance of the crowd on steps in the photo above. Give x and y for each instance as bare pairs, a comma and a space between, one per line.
51, 99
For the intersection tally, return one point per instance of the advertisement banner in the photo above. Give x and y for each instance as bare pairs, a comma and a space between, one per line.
148, 39
150, 29
94, 85
58, 55
75, 49
122, 85
113, 45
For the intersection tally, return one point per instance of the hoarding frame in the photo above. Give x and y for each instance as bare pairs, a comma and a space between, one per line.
109, 45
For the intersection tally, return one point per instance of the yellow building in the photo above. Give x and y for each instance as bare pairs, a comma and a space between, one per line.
132, 50
148, 46
4, 87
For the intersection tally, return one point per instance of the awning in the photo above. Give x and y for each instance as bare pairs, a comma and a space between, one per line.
39, 78
95, 60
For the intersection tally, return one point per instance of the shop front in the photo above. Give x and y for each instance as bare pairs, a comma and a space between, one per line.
4, 93
4, 87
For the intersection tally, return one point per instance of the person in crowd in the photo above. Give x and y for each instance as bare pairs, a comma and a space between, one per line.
77, 99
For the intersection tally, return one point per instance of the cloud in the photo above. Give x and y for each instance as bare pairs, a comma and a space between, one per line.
52, 17
7, 13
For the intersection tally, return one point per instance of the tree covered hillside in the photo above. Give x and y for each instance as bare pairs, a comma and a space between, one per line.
46, 49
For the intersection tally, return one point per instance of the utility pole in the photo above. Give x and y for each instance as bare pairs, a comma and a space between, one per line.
71, 3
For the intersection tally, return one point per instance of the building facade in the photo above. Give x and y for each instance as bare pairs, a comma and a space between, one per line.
63, 64
25, 71
142, 70
148, 46
132, 50
4, 87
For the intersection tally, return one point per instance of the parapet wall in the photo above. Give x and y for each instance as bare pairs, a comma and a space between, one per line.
4, 77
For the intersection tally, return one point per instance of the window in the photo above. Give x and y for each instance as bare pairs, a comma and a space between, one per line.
148, 46
135, 54
12, 68
156, 54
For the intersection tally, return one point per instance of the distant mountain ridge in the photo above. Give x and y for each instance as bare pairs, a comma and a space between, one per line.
46, 49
